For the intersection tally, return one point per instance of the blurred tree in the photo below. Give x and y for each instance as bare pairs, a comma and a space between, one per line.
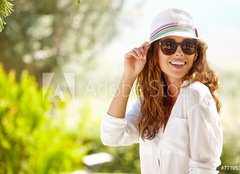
6, 7
44, 36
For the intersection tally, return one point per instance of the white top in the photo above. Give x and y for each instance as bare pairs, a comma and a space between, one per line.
190, 144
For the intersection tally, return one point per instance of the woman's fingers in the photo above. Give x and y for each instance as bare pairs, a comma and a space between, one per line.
146, 46
140, 52
131, 54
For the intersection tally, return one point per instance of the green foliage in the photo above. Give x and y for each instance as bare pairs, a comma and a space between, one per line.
6, 7
31, 139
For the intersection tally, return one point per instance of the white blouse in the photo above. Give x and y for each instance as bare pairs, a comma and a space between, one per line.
190, 144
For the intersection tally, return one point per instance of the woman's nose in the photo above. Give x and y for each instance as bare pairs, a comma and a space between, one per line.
179, 52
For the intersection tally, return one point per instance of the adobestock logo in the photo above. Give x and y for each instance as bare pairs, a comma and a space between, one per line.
59, 83
105, 89
63, 84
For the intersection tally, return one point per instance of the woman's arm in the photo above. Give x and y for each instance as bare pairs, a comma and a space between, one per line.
118, 128
119, 103
133, 64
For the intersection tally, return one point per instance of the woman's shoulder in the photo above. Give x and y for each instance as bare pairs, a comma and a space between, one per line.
198, 96
197, 91
198, 87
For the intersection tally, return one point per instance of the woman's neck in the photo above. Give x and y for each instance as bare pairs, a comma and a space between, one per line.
174, 86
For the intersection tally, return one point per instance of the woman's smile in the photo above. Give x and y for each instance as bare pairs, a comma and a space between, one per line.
178, 64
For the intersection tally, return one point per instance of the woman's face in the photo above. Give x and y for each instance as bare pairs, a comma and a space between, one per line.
177, 65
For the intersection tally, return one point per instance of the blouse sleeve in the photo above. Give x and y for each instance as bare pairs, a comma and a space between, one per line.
121, 131
205, 135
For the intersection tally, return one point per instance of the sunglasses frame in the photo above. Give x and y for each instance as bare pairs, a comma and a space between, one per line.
177, 44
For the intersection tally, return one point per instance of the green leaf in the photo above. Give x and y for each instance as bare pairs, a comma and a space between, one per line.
6, 7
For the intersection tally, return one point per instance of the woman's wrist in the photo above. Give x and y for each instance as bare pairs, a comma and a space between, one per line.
129, 77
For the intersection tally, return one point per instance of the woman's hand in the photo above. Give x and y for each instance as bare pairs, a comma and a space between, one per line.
135, 60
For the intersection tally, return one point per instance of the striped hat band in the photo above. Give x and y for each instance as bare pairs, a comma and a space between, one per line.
173, 28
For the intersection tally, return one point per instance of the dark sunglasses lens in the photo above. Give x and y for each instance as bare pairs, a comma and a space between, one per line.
168, 47
189, 47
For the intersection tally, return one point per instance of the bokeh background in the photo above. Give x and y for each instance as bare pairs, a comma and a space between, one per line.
61, 62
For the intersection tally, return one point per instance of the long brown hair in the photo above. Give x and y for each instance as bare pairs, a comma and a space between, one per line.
151, 87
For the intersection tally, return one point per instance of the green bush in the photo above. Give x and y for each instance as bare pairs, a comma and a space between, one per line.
31, 140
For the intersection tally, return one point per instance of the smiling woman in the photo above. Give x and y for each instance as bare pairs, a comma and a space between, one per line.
175, 120
176, 61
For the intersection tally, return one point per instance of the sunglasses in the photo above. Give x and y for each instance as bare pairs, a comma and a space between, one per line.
169, 46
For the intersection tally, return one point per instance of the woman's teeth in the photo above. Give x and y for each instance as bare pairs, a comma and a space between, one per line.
177, 63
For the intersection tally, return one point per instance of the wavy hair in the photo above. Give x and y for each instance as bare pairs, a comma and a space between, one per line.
152, 89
